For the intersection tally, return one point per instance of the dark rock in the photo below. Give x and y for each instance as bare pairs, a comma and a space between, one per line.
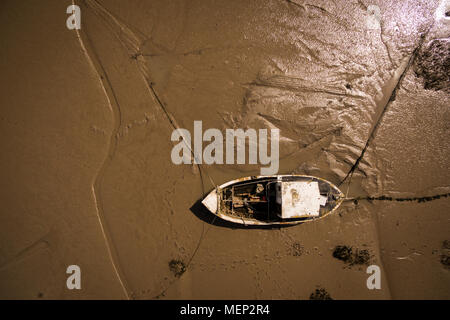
320, 294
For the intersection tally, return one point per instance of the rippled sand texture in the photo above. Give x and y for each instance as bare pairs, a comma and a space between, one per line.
86, 121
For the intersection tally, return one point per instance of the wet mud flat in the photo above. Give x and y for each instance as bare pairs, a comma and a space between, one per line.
88, 177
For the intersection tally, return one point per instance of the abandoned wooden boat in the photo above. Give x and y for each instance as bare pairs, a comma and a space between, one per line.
274, 200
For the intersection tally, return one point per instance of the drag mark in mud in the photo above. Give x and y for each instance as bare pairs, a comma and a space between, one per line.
131, 42
399, 76
294, 84
322, 11
113, 103
382, 31
401, 199
172, 121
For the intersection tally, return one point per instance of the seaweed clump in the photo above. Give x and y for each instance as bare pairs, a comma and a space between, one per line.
320, 294
177, 267
343, 253
297, 249
433, 65
351, 256
361, 257
445, 260
445, 256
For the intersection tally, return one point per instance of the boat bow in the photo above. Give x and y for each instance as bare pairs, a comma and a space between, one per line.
211, 201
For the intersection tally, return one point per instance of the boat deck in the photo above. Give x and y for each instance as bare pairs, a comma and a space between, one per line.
256, 199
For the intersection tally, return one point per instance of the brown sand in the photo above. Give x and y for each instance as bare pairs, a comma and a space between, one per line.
87, 178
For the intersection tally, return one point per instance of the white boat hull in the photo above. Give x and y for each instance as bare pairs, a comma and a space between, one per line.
214, 203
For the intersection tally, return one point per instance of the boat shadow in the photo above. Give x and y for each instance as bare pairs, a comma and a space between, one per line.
201, 212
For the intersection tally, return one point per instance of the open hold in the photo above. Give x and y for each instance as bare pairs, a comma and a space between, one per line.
433, 65
177, 267
320, 294
351, 256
